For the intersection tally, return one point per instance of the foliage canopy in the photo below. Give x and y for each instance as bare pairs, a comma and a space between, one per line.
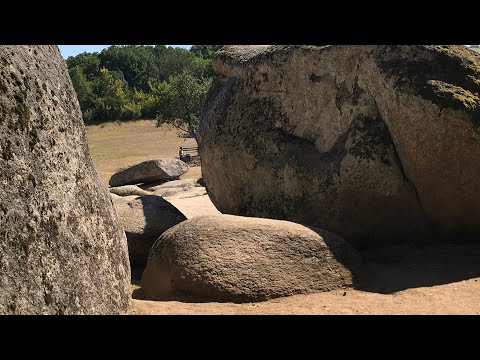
142, 81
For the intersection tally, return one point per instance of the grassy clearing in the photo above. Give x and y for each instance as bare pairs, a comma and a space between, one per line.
117, 145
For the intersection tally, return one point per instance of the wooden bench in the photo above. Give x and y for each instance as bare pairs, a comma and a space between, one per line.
188, 154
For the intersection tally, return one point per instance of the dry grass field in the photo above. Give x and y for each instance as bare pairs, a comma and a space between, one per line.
120, 144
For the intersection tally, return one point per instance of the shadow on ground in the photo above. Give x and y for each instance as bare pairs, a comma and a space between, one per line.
136, 281
386, 271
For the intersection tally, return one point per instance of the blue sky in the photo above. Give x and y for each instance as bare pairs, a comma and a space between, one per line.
72, 50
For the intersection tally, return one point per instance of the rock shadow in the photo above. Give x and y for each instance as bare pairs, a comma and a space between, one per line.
394, 269
153, 206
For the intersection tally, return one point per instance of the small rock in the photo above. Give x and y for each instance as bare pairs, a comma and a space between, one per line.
183, 183
149, 171
128, 190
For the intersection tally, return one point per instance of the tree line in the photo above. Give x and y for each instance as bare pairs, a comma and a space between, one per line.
143, 82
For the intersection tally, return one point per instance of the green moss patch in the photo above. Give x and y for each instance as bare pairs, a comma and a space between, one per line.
468, 59
446, 75
456, 97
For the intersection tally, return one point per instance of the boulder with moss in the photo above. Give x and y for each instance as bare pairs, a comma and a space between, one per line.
379, 144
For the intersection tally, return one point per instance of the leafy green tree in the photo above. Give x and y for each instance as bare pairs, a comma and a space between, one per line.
132, 82
146, 102
161, 91
136, 62
89, 63
174, 61
118, 75
111, 99
185, 101
82, 87
202, 68
130, 110
205, 51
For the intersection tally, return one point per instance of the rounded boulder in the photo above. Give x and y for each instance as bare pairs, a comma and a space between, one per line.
240, 259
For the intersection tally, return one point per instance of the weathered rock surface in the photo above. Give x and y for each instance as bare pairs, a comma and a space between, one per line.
185, 191
149, 171
170, 187
169, 191
233, 258
128, 190
379, 144
144, 219
184, 183
193, 206
62, 250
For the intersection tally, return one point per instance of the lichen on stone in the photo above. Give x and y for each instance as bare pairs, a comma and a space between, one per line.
445, 94
458, 95
469, 60
446, 75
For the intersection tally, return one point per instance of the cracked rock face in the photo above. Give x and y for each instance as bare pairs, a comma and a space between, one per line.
62, 249
379, 144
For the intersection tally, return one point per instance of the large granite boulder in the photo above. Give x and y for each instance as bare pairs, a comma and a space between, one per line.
379, 144
62, 250
234, 258
144, 219
149, 171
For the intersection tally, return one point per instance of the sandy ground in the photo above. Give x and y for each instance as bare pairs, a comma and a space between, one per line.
409, 279
457, 298
436, 279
